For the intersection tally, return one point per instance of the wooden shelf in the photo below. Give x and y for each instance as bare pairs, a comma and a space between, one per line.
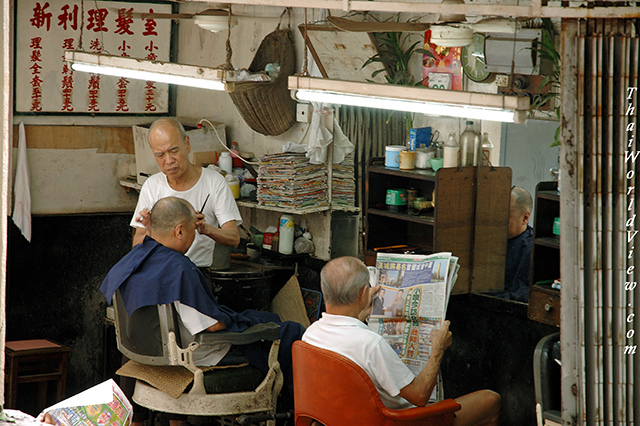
421, 174
427, 219
553, 242
469, 218
549, 195
254, 205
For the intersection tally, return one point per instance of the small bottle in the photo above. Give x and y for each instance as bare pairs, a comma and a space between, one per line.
224, 162
469, 144
487, 148
275, 242
450, 151
286, 230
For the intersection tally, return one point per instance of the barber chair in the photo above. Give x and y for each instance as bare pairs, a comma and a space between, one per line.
547, 380
151, 336
333, 390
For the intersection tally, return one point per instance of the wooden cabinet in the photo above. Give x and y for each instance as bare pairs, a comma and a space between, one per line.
544, 301
469, 219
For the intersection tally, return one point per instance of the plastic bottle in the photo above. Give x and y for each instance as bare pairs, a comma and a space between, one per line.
487, 149
469, 144
224, 162
275, 241
450, 154
286, 234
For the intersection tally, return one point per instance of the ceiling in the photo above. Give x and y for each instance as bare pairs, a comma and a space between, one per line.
532, 8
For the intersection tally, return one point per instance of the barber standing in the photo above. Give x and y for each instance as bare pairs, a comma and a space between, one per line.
218, 221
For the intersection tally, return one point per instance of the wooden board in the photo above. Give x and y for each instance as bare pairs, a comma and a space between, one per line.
112, 140
454, 211
493, 198
340, 55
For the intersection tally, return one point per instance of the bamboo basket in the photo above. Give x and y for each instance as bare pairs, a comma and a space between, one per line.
267, 107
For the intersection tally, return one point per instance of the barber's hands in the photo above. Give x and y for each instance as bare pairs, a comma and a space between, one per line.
367, 310
144, 217
441, 338
201, 226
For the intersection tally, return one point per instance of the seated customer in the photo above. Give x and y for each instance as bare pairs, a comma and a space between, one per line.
348, 296
157, 272
517, 265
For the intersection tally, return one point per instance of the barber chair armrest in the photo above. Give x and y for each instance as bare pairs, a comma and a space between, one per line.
256, 333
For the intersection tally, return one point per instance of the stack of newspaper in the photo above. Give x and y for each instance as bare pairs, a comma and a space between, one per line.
412, 301
289, 180
344, 183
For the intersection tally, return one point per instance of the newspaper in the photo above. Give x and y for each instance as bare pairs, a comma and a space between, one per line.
412, 301
103, 404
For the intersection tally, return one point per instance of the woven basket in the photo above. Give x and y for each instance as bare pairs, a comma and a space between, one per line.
267, 107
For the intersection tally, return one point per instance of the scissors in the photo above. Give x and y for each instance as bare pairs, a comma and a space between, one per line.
204, 204
434, 136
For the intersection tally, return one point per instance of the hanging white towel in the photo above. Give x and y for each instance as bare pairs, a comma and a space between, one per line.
342, 146
21, 188
319, 136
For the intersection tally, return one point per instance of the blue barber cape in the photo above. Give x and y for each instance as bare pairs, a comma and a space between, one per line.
152, 274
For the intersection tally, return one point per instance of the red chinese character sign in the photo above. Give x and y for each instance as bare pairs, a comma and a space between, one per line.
45, 82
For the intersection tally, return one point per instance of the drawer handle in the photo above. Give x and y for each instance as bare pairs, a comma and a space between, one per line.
548, 307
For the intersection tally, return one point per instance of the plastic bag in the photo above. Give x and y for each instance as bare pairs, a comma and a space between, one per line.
302, 245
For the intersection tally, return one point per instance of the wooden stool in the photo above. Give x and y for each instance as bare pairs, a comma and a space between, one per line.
29, 361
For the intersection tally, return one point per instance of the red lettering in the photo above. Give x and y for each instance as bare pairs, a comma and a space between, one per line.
121, 104
124, 21
150, 26
149, 92
95, 45
40, 16
68, 17
96, 20
35, 68
124, 48
94, 82
36, 56
35, 43
150, 48
67, 44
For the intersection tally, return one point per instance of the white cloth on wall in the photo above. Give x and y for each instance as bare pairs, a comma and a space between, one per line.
320, 137
342, 146
21, 189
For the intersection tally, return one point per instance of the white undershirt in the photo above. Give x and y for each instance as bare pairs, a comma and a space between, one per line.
193, 322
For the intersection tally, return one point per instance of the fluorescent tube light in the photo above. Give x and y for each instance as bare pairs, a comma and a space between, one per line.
142, 69
450, 103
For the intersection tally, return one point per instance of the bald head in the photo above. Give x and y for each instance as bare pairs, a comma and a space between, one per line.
168, 123
519, 212
172, 223
342, 280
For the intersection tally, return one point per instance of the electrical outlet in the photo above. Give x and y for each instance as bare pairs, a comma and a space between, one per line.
303, 113
502, 80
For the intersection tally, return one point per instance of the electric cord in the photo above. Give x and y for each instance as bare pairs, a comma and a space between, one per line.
204, 120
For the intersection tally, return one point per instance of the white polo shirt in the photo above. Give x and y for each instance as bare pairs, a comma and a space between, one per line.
352, 338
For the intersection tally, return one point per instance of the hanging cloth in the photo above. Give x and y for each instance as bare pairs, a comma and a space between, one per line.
320, 137
22, 193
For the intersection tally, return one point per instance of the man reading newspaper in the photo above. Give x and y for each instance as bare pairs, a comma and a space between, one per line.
348, 298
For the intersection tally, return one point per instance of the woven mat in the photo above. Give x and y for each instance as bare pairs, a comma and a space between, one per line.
172, 380
289, 305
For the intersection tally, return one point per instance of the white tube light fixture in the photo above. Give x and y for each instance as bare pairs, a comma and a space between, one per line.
450, 103
143, 69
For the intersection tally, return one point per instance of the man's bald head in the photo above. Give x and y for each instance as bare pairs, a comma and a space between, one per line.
342, 280
168, 123
169, 212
